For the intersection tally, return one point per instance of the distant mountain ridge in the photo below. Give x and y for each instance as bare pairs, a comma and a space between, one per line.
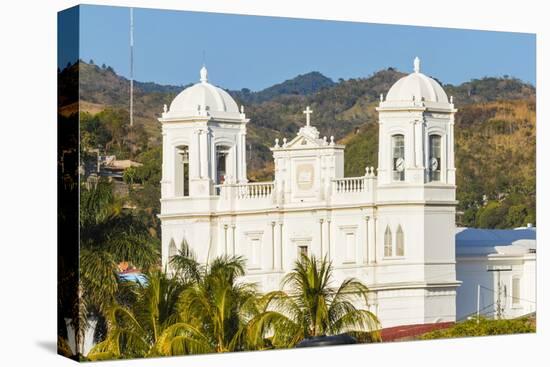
339, 108
496, 116
101, 85
303, 84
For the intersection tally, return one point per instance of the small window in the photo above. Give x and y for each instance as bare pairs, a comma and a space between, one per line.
398, 157
387, 242
516, 291
255, 253
350, 247
435, 158
302, 251
400, 242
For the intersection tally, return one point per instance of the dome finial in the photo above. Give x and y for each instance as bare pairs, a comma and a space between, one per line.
416, 65
204, 74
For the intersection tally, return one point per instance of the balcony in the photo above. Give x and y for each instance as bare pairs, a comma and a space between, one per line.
262, 196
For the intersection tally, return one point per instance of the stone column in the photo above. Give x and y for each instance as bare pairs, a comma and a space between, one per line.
418, 143
204, 153
328, 239
234, 239
225, 226
273, 245
426, 151
444, 159
321, 236
366, 249
242, 170
167, 179
197, 157
451, 151
281, 245
374, 259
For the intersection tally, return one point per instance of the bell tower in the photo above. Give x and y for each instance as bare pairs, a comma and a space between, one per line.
204, 141
415, 196
416, 136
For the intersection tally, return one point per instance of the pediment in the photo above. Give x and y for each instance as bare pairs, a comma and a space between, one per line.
302, 141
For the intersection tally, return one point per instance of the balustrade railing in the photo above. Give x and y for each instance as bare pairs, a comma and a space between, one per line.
255, 190
349, 184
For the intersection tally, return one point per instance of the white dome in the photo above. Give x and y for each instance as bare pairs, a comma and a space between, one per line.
203, 98
417, 86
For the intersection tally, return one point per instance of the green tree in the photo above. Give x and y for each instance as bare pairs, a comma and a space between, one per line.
517, 215
134, 330
108, 235
484, 327
313, 308
185, 265
214, 313
129, 175
491, 215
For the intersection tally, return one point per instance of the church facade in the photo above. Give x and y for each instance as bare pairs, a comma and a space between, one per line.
392, 228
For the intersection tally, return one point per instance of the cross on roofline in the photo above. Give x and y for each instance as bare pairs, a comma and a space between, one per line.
308, 112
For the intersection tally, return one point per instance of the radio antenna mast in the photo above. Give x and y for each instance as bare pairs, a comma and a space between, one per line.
131, 67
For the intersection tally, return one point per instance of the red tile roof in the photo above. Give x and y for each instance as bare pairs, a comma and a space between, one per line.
408, 331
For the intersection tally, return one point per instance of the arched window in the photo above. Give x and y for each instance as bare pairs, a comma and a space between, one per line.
400, 242
387, 242
398, 157
435, 158
222, 153
181, 179
516, 290
172, 251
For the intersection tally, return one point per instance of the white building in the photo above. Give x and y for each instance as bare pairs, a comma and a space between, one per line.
393, 228
501, 264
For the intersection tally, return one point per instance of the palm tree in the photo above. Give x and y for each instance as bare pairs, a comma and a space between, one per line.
185, 264
134, 330
213, 313
312, 308
108, 235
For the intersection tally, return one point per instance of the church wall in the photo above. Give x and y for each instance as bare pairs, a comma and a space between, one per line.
197, 232
439, 305
529, 284
311, 208
400, 307
473, 271
439, 229
411, 220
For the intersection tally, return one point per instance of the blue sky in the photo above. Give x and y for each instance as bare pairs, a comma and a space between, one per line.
256, 52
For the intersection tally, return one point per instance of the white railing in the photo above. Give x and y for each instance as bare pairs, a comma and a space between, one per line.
255, 190
218, 190
349, 184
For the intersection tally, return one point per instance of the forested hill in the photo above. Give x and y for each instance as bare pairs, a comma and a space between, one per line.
304, 85
495, 129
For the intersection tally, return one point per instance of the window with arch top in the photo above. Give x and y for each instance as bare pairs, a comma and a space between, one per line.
181, 178
222, 154
400, 242
172, 251
387, 242
434, 163
398, 157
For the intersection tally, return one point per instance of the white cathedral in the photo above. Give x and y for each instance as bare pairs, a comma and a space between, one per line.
393, 228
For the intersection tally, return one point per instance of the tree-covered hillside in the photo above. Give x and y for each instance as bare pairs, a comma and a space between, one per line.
303, 85
494, 156
494, 131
